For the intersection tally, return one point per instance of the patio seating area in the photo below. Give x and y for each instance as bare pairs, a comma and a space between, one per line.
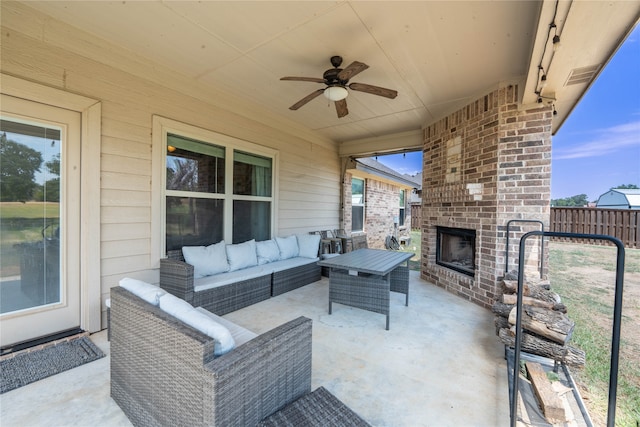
440, 364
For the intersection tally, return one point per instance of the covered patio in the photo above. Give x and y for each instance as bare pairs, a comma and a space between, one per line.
439, 364
482, 87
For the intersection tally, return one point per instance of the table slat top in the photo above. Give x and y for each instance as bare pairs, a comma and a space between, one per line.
372, 261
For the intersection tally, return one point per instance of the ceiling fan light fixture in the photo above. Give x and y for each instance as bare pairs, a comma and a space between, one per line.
335, 93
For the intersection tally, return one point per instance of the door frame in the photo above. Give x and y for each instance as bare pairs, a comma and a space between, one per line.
90, 141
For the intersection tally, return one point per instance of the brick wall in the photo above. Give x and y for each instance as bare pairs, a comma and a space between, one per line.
380, 207
484, 165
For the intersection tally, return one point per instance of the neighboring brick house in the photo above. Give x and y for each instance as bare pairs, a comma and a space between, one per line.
376, 200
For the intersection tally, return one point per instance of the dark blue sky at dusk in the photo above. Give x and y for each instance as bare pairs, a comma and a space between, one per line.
598, 145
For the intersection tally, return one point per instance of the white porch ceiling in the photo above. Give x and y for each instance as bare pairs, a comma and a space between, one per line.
439, 56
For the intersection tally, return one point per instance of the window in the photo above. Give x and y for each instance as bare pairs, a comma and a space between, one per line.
194, 193
215, 188
402, 206
251, 216
357, 204
30, 171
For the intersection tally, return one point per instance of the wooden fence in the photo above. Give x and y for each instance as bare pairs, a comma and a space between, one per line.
621, 223
416, 216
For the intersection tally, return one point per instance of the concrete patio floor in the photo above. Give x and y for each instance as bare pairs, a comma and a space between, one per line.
440, 364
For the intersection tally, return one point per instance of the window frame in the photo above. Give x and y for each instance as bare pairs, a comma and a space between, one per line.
363, 204
162, 127
403, 206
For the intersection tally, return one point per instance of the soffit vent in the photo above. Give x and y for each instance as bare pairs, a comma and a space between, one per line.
582, 75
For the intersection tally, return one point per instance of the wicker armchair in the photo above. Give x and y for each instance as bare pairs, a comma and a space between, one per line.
163, 372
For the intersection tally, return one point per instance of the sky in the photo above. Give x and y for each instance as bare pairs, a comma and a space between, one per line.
598, 145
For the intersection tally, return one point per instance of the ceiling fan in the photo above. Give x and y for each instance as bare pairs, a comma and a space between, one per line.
337, 81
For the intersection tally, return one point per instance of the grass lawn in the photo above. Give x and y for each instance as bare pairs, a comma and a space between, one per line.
22, 223
584, 276
414, 247
29, 210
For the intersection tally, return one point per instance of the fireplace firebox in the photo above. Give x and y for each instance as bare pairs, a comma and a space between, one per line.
456, 249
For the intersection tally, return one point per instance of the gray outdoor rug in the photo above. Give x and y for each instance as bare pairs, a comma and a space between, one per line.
27, 367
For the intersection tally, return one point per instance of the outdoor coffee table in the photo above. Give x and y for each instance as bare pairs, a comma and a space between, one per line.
364, 278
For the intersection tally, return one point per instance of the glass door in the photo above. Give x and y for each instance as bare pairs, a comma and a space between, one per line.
39, 220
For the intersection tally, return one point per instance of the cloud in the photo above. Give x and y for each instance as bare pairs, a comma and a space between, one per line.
605, 141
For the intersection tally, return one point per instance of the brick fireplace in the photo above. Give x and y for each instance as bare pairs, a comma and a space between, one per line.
484, 165
456, 249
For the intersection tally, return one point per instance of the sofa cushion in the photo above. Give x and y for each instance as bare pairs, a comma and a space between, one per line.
288, 246
148, 292
207, 260
286, 264
231, 277
308, 245
267, 251
242, 255
184, 312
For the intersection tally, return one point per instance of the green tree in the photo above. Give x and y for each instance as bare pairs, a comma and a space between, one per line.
184, 176
53, 165
18, 165
50, 191
579, 200
625, 187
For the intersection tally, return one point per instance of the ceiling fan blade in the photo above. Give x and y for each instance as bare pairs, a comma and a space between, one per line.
354, 68
304, 79
341, 108
374, 90
306, 99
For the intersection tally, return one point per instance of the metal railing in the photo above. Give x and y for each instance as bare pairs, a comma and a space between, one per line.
617, 319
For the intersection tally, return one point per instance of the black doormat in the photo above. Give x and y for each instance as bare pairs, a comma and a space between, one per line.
33, 365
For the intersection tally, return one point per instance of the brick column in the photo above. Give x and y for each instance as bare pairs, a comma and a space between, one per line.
485, 164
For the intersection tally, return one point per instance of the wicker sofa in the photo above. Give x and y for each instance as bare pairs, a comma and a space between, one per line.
163, 371
240, 288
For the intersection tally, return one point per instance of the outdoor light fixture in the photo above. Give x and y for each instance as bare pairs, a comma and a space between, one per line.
556, 43
543, 81
335, 93
542, 73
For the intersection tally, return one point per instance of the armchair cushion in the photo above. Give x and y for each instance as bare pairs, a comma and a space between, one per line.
240, 335
242, 255
148, 292
183, 311
268, 251
207, 260
288, 246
